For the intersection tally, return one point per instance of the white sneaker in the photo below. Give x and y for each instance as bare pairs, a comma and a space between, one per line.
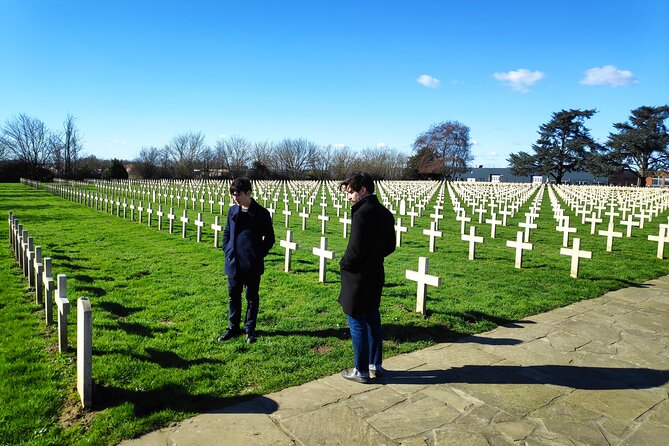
375, 373
355, 375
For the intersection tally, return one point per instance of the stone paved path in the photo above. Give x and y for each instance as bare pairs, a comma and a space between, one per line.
593, 373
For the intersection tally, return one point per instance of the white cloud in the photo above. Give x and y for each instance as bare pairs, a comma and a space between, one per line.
339, 146
428, 81
380, 145
521, 79
474, 142
608, 75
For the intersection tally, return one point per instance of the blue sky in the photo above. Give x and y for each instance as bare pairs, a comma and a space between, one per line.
362, 74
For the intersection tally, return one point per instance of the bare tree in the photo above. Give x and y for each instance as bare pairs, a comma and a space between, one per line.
28, 140
294, 156
322, 162
71, 146
344, 161
233, 154
184, 152
147, 164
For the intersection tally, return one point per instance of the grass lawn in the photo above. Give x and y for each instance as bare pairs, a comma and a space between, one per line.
159, 302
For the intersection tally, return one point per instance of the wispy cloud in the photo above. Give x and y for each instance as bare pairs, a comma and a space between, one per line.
608, 75
380, 145
520, 80
428, 81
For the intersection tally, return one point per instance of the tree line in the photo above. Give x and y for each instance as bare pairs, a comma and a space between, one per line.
444, 151
638, 146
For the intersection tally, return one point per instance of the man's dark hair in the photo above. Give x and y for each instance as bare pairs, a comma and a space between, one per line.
358, 180
240, 185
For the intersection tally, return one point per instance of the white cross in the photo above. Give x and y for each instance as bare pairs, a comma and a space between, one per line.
399, 229
575, 254
473, 240
505, 213
661, 239
216, 226
437, 216
63, 310
304, 216
593, 220
480, 210
493, 222
184, 220
433, 233
287, 213
413, 214
171, 217
338, 207
290, 247
564, 228
324, 219
323, 254
423, 279
346, 221
160, 214
520, 247
642, 216
200, 224
149, 211
140, 209
527, 225
629, 223
463, 219
609, 234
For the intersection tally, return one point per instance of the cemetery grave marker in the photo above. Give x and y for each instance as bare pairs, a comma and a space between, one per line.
575, 254
323, 254
422, 279
519, 246
290, 247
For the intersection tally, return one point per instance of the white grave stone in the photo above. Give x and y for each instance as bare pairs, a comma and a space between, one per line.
323, 254
423, 279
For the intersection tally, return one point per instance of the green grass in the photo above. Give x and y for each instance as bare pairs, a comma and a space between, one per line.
159, 302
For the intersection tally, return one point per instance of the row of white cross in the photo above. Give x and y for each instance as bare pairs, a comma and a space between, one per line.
38, 273
505, 199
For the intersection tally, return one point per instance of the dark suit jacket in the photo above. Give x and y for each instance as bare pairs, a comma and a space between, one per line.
372, 239
246, 245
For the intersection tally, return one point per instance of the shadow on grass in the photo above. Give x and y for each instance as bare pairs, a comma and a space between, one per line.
165, 359
575, 377
175, 397
117, 309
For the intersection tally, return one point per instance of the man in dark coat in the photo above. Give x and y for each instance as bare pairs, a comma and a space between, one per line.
362, 275
247, 238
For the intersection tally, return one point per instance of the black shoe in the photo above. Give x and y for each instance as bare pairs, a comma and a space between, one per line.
250, 338
229, 334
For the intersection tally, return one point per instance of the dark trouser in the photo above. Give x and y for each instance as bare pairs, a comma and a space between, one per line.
235, 286
367, 341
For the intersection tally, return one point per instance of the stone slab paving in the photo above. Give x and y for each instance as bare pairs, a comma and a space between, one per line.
593, 373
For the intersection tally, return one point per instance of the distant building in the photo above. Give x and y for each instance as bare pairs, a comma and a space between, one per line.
504, 175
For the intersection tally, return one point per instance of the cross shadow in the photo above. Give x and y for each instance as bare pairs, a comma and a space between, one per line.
575, 377
176, 397
117, 309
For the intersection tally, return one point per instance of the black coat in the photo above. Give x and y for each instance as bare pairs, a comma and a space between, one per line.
245, 245
372, 239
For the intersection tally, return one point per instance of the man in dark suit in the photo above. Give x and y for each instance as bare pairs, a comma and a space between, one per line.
362, 275
247, 238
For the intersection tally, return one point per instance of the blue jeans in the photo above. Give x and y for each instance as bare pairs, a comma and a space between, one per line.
235, 286
367, 341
